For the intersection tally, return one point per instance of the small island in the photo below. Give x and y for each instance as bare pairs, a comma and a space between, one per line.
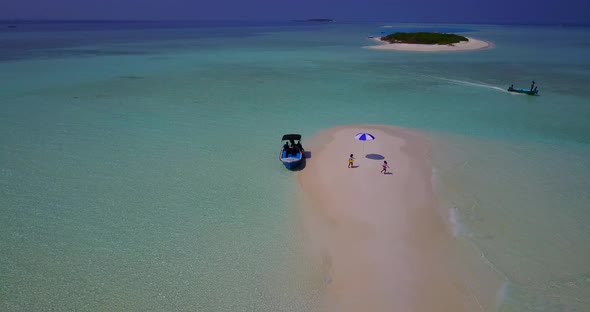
316, 20
427, 42
320, 20
424, 38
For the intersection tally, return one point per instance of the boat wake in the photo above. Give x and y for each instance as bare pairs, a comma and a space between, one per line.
476, 84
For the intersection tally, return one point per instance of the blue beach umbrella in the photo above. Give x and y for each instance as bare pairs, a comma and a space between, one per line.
364, 136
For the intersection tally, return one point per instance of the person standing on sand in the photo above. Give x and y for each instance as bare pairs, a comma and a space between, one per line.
385, 166
351, 161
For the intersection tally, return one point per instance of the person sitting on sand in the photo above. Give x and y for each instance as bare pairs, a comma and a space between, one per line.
351, 161
385, 166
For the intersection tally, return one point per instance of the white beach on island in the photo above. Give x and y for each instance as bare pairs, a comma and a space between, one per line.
382, 243
472, 44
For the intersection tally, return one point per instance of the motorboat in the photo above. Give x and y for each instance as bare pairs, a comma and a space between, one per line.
525, 91
292, 152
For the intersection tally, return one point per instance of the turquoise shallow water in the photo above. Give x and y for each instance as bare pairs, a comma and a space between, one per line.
139, 164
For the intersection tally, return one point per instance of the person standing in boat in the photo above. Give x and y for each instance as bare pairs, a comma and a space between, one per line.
532, 85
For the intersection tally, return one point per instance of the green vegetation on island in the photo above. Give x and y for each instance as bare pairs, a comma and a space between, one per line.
320, 20
317, 20
424, 38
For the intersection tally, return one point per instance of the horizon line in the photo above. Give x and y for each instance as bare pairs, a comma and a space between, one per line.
55, 20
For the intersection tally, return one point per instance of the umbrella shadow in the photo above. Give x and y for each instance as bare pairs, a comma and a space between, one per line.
375, 156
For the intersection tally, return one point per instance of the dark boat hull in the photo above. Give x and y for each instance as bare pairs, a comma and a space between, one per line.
524, 91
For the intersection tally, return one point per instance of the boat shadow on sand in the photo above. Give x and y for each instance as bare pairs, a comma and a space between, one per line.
303, 161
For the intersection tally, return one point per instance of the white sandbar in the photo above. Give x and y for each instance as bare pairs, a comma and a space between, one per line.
472, 44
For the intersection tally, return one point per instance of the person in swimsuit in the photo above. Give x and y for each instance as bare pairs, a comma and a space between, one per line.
385, 166
351, 161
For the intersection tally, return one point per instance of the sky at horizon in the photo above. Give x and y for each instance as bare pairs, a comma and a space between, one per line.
453, 11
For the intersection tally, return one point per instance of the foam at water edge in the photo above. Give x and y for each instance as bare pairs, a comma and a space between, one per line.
451, 215
457, 227
502, 295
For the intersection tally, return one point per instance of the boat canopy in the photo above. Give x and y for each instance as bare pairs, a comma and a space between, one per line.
291, 137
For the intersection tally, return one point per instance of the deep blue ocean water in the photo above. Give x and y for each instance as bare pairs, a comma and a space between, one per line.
139, 170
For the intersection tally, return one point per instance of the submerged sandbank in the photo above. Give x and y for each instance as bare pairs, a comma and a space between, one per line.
472, 44
382, 242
